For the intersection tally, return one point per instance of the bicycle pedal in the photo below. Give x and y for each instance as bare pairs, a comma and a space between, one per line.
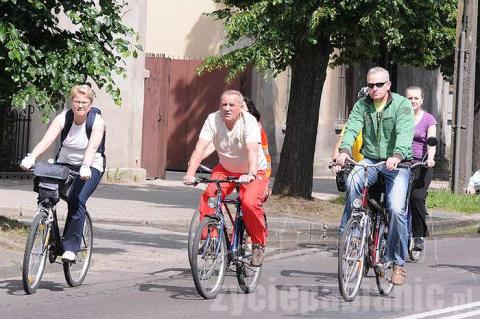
52, 256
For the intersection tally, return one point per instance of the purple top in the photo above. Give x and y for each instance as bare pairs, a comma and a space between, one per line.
419, 145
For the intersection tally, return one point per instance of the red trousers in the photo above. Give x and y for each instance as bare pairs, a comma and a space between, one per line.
251, 195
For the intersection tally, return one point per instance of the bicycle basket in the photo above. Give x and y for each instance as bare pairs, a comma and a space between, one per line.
49, 180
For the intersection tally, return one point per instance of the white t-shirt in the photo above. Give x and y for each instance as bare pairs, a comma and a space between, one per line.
231, 144
75, 144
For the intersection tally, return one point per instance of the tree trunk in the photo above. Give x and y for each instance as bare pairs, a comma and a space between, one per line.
295, 171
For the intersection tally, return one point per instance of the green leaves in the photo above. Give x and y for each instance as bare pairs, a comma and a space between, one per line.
271, 33
40, 60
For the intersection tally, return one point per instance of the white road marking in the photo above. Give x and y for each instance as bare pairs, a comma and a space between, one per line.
443, 311
463, 315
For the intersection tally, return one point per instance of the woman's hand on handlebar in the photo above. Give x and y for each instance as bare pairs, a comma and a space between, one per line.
85, 172
430, 162
27, 162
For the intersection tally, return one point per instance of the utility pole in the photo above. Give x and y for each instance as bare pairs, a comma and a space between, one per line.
464, 79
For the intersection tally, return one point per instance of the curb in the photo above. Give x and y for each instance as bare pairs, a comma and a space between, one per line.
280, 229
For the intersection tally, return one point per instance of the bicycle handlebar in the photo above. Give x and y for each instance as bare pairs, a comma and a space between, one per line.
352, 161
70, 171
206, 180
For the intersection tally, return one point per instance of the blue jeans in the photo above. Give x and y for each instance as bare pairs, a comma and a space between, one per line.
396, 185
81, 191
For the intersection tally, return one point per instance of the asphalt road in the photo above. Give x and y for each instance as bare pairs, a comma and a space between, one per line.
142, 272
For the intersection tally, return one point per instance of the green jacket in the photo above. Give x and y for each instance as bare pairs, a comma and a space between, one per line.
390, 133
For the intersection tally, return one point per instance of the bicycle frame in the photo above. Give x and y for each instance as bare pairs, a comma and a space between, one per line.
371, 219
235, 242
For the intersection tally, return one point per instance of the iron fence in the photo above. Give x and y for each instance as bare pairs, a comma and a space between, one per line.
14, 137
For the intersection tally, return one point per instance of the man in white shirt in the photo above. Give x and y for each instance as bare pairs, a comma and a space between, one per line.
236, 137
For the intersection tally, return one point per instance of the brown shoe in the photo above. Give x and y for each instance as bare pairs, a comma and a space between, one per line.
258, 252
399, 275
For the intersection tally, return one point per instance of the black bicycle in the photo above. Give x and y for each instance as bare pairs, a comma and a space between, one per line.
213, 248
52, 182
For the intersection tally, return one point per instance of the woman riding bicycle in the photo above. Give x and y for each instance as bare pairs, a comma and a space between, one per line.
82, 137
425, 127
236, 137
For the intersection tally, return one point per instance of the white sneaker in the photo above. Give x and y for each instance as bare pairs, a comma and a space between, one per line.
68, 256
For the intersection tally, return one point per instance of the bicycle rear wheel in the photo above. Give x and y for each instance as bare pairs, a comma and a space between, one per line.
209, 258
76, 271
351, 258
384, 270
35, 256
248, 276
191, 234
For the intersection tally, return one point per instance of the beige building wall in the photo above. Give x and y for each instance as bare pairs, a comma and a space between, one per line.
181, 30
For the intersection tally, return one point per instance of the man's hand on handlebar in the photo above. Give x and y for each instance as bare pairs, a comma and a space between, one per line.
392, 163
246, 178
189, 180
341, 159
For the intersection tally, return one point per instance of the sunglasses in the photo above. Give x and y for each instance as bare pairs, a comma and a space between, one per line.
378, 85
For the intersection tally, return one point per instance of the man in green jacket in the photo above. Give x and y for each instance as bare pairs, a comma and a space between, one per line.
387, 122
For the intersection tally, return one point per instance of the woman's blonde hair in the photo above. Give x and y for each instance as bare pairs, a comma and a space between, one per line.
82, 90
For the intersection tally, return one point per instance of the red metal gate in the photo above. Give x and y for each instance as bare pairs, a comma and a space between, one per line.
188, 100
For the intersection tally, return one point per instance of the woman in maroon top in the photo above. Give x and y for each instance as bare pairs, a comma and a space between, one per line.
425, 127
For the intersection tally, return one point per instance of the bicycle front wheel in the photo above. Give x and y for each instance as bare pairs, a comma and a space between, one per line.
209, 258
36, 250
191, 234
248, 276
351, 258
384, 269
76, 271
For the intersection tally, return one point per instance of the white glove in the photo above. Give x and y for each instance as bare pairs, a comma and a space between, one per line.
85, 172
27, 162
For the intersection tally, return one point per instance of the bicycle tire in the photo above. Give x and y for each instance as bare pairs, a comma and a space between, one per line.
191, 234
248, 276
76, 271
35, 256
384, 284
350, 269
211, 251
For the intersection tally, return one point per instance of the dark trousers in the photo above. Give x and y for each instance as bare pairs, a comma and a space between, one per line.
81, 191
421, 182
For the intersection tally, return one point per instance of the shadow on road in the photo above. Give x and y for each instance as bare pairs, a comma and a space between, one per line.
15, 287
